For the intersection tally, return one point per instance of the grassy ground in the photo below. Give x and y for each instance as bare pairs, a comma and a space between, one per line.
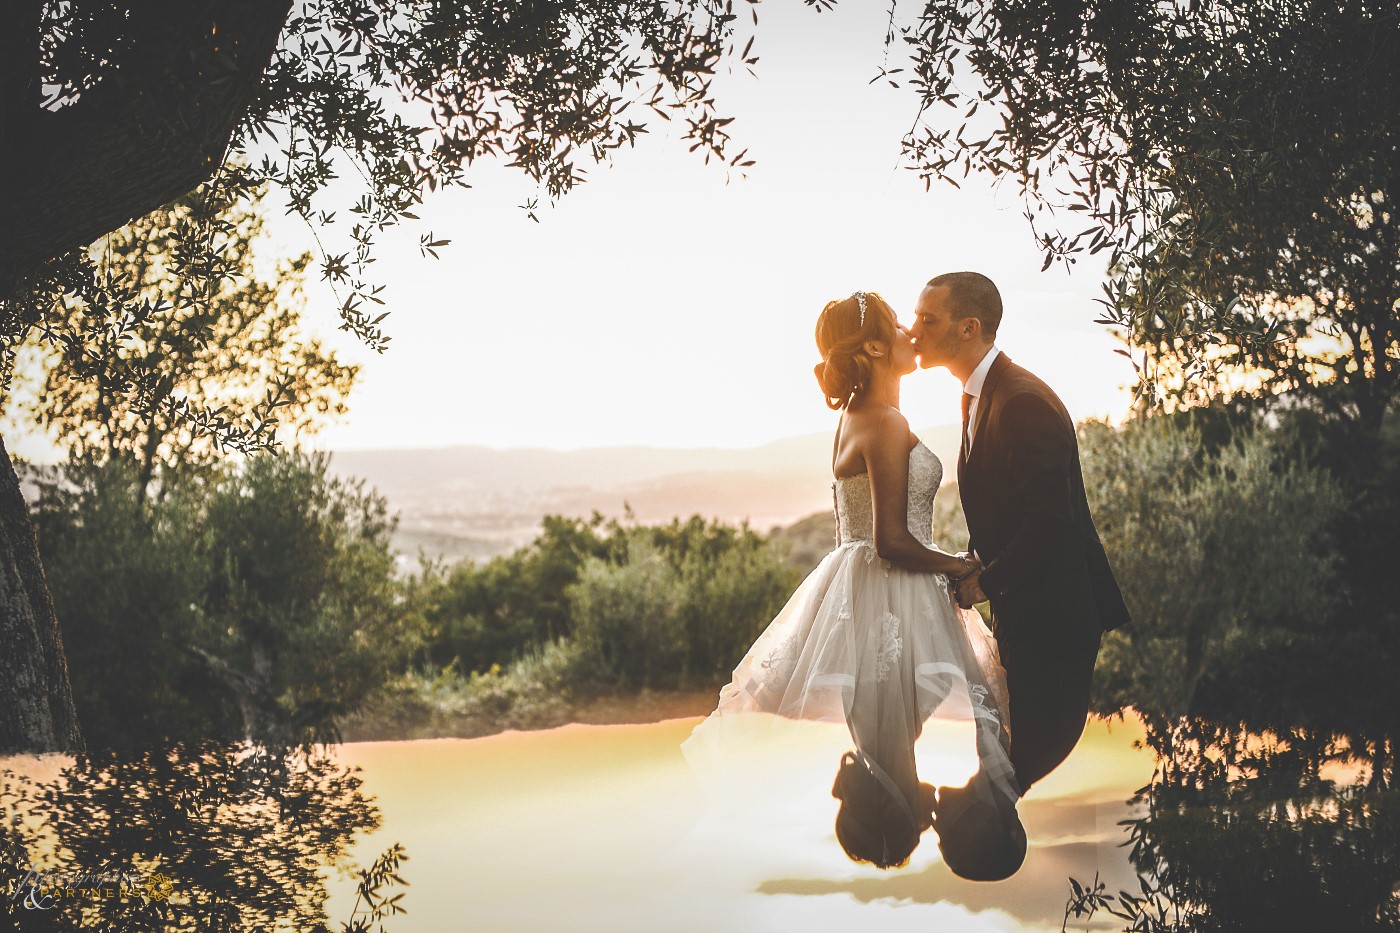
476, 720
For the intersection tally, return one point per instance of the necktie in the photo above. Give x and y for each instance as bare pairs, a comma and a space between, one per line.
966, 405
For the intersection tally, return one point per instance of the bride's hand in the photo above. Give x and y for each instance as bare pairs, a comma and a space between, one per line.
965, 567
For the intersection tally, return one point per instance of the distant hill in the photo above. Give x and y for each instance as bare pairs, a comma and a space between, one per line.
808, 540
472, 501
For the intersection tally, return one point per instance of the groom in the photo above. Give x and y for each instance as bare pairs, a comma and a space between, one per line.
1042, 566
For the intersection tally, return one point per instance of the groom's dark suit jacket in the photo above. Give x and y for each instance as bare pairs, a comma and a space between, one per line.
1027, 517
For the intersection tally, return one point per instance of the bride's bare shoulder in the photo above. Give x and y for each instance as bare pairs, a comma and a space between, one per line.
880, 425
865, 434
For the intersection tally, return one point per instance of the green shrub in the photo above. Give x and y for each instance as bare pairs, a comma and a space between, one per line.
626, 618
483, 614
1217, 552
257, 602
728, 598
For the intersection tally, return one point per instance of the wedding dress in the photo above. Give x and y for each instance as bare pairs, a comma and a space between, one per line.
877, 647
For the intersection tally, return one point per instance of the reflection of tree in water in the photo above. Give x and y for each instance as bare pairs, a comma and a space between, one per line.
1259, 830
243, 833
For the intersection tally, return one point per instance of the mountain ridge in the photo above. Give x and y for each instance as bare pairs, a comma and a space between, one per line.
477, 501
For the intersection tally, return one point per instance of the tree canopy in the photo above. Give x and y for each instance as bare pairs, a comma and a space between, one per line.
256, 602
1238, 161
113, 111
1219, 553
241, 358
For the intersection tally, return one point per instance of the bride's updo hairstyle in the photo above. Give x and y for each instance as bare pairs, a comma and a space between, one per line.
870, 824
846, 367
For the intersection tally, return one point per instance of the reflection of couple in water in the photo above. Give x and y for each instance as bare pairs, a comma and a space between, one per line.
881, 635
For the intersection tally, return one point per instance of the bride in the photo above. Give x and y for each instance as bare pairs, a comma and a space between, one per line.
873, 637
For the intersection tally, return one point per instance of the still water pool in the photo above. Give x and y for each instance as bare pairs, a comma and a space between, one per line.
606, 828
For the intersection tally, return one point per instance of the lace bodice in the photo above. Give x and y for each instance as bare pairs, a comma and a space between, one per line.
855, 510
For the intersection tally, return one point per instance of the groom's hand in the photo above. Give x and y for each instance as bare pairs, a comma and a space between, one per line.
970, 590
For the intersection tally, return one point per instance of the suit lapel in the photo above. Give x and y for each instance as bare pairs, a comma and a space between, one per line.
989, 385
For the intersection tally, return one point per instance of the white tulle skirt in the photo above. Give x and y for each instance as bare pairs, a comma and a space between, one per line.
880, 649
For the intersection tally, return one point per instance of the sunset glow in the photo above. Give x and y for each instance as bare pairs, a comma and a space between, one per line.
661, 304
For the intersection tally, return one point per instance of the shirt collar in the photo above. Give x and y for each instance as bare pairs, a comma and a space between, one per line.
973, 386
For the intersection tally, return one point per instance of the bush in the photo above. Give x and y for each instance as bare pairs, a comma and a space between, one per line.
301, 616
685, 603
532, 692
641, 606
627, 621
1217, 551
728, 598
479, 615
273, 583
127, 587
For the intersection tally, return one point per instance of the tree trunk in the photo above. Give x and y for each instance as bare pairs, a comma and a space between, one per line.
261, 723
34, 691
154, 128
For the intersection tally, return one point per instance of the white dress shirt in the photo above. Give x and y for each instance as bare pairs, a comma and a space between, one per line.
973, 387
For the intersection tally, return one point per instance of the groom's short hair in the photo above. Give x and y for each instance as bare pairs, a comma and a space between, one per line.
972, 294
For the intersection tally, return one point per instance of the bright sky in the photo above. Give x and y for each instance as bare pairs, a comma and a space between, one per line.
660, 304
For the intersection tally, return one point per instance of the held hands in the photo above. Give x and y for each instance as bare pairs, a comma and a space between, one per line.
969, 591
967, 588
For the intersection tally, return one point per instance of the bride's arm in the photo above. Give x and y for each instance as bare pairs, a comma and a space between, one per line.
887, 460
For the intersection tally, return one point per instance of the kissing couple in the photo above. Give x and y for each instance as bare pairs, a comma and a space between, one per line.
882, 634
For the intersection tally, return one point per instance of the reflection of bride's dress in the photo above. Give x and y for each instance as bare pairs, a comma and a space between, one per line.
877, 647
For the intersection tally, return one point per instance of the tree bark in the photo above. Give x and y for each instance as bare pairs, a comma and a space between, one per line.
35, 697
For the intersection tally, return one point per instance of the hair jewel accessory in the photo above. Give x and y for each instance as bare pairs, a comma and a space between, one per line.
860, 300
